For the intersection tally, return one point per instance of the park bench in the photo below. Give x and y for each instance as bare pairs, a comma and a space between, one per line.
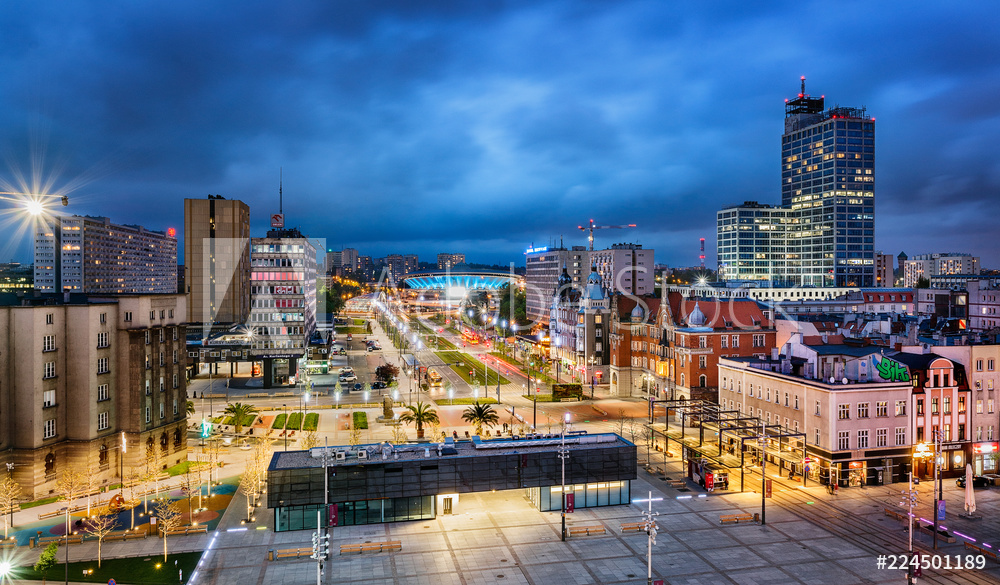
46, 515
188, 530
127, 535
735, 518
895, 514
633, 527
293, 553
586, 530
60, 540
677, 483
8, 544
983, 551
388, 546
928, 528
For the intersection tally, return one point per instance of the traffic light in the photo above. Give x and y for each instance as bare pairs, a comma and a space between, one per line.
206, 429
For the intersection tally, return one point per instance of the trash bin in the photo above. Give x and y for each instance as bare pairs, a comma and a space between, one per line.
270, 554
756, 517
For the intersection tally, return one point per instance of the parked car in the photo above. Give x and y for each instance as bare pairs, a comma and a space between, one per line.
379, 385
347, 370
358, 387
348, 377
978, 481
340, 351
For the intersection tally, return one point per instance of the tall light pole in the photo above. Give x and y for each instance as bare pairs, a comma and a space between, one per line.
763, 470
909, 501
563, 456
10, 519
649, 525
284, 407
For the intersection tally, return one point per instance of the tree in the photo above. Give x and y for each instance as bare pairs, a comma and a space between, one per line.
923, 283
518, 315
239, 411
419, 414
10, 492
398, 435
168, 518
386, 373
481, 415
47, 560
100, 526
190, 407
70, 486
310, 440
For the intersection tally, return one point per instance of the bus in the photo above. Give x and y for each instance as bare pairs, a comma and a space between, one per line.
434, 378
470, 337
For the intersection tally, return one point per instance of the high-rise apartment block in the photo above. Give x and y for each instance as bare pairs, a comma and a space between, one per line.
823, 233
928, 265
283, 293
217, 259
884, 274
84, 254
78, 372
447, 260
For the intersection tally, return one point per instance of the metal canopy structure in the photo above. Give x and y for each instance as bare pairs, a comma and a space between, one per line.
725, 437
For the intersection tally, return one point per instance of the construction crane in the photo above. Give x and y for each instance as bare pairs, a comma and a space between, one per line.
593, 227
64, 199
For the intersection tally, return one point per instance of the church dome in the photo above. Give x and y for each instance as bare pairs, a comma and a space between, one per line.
637, 312
696, 318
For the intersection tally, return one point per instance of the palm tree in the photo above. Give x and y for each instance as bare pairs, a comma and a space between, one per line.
419, 414
239, 411
480, 415
190, 407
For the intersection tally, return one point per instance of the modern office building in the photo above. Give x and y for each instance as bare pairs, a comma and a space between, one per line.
283, 300
884, 274
928, 265
15, 277
217, 259
84, 254
542, 269
78, 371
625, 268
828, 194
751, 243
448, 260
372, 484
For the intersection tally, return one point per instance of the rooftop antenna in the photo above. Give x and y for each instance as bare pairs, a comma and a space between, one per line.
802, 92
280, 198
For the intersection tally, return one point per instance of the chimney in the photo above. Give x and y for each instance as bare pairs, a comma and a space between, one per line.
775, 353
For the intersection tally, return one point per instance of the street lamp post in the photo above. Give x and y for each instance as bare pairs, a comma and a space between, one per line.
649, 525
763, 471
909, 501
284, 407
10, 519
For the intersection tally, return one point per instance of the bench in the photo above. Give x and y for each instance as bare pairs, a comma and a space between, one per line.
981, 550
388, 546
124, 536
293, 553
633, 527
677, 483
189, 530
60, 540
895, 514
8, 544
929, 529
735, 518
586, 530
47, 515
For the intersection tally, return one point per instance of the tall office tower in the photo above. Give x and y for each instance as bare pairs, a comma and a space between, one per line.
410, 263
349, 259
828, 181
334, 262
625, 268
751, 242
217, 259
283, 292
543, 266
448, 260
92, 255
884, 277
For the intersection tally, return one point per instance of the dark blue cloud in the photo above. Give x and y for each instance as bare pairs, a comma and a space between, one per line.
485, 126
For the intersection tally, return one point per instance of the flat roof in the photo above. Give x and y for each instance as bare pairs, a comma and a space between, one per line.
313, 458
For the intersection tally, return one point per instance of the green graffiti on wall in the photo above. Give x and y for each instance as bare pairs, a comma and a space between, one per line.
892, 371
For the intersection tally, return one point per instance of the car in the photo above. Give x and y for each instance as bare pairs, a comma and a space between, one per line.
348, 377
340, 351
378, 385
358, 387
978, 481
347, 370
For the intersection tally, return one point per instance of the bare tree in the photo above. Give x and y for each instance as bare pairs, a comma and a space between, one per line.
310, 440
168, 517
100, 526
399, 435
70, 487
133, 483
152, 472
92, 478
10, 492
620, 422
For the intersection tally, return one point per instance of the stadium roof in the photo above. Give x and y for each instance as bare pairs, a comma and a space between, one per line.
467, 279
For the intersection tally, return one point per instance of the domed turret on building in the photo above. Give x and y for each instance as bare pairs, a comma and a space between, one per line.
697, 317
594, 290
637, 313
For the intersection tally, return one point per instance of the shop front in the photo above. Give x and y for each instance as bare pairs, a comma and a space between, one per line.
984, 457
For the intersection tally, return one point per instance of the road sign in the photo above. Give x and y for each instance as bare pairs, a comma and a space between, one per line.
111, 582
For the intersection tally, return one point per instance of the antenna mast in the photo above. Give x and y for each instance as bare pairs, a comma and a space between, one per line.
280, 197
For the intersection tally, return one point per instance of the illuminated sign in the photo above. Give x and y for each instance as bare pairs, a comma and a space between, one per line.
171, 232
277, 220
985, 448
284, 290
892, 371
536, 250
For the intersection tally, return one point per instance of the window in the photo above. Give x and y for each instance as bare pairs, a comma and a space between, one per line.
947, 405
175, 329
161, 410
882, 408
128, 316
161, 358
961, 432
786, 398
702, 342
843, 440
102, 366
989, 365
149, 389
736, 341
152, 315
863, 439
920, 434
723, 341
49, 343
817, 408
102, 339
162, 335
920, 406
104, 318
171, 313
702, 364
961, 404
979, 365
48, 398
881, 437
175, 380
758, 340
900, 408
843, 411
934, 405
162, 313
149, 362
147, 337
175, 406
49, 429
979, 406
979, 433
989, 433
947, 433
147, 414
989, 406
900, 436
796, 402
175, 356
102, 421
49, 370
862, 410
102, 392
48, 318
816, 436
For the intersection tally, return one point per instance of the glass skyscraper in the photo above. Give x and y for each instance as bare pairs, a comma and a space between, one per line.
824, 232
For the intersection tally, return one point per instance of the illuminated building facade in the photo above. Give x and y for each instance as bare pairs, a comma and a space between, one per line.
217, 259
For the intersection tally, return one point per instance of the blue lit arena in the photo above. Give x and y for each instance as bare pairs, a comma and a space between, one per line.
453, 281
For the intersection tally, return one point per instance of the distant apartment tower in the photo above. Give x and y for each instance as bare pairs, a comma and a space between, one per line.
884, 274
80, 371
217, 259
333, 264
85, 254
828, 199
283, 294
625, 268
751, 242
15, 277
928, 265
349, 259
447, 260
543, 266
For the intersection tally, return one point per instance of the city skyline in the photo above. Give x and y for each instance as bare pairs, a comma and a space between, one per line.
486, 130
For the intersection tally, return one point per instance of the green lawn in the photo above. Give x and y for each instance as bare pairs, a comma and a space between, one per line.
361, 420
181, 468
41, 502
446, 402
470, 363
360, 322
294, 421
312, 421
130, 570
541, 397
279, 421
352, 330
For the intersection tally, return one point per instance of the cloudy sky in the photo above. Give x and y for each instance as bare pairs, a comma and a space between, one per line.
477, 126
